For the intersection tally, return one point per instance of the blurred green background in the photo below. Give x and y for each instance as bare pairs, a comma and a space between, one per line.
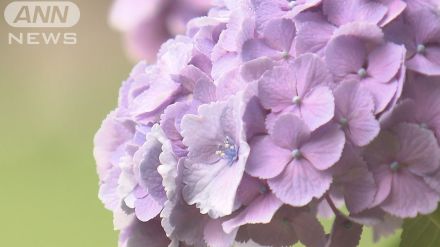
52, 100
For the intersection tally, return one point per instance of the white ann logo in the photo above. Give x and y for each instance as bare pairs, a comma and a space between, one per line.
42, 14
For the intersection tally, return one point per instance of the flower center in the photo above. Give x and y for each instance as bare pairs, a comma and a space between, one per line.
362, 73
296, 154
296, 100
292, 3
228, 150
343, 122
263, 189
285, 54
421, 48
423, 126
395, 166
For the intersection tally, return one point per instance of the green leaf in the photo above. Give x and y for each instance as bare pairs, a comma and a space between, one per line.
422, 231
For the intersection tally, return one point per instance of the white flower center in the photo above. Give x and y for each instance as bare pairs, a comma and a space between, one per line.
421, 48
296, 154
292, 3
362, 73
296, 100
343, 122
395, 166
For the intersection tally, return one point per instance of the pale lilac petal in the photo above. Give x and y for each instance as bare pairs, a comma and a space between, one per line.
382, 93
409, 196
313, 37
418, 149
299, 183
357, 182
253, 70
395, 9
216, 237
147, 208
345, 55
266, 159
341, 12
279, 34
205, 186
260, 211
324, 148
356, 106
256, 48
309, 230
277, 232
345, 233
277, 88
317, 107
421, 64
310, 71
289, 132
385, 61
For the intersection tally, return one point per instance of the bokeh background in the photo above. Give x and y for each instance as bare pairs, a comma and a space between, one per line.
52, 100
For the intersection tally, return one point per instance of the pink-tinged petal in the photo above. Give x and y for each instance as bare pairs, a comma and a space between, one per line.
342, 12
266, 159
299, 183
289, 132
277, 88
147, 208
410, 195
171, 118
357, 182
344, 233
382, 150
404, 111
108, 193
313, 37
345, 55
395, 9
205, 91
421, 64
365, 31
146, 161
382, 93
385, 61
216, 237
356, 106
278, 232
318, 107
424, 24
139, 234
254, 116
310, 72
309, 230
225, 88
324, 148
419, 149
279, 34
260, 211
249, 189
433, 53
253, 70
256, 48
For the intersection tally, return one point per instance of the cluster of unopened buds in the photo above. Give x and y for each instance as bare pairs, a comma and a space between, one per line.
271, 114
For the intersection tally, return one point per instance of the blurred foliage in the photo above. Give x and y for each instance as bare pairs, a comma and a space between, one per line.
422, 231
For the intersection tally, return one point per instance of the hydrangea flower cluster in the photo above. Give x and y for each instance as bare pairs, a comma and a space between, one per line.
147, 24
269, 114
